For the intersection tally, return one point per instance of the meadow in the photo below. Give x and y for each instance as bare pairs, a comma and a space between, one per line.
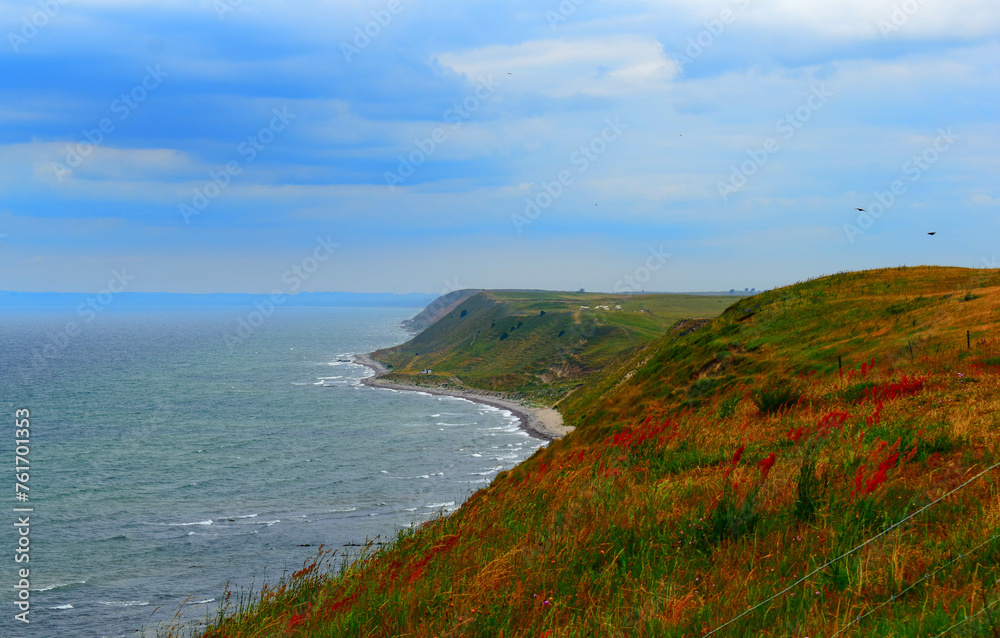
818, 460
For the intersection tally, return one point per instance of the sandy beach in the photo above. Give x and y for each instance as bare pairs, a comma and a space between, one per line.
542, 423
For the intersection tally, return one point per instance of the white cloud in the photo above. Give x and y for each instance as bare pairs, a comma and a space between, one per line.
605, 66
100, 163
844, 19
104, 173
983, 199
654, 187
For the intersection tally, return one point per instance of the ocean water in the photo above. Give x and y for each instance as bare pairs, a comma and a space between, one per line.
166, 461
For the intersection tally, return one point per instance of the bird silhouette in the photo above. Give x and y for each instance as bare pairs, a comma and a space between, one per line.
934, 233
860, 209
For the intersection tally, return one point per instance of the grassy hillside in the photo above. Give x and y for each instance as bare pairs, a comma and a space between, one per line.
539, 343
731, 479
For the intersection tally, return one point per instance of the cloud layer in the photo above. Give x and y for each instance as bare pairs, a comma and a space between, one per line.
206, 144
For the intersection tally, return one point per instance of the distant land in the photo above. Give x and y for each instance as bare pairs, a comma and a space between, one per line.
536, 345
131, 300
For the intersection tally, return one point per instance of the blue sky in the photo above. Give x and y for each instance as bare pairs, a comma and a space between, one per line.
211, 145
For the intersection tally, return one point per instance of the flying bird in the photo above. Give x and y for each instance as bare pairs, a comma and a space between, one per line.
934, 233
860, 209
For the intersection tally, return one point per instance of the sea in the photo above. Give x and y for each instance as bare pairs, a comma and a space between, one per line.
173, 452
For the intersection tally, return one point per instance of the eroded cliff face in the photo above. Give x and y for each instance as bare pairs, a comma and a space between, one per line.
437, 309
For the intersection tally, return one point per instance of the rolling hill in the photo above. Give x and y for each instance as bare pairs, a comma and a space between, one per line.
821, 459
539, 344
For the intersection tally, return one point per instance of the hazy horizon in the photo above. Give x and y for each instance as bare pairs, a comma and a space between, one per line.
363, 294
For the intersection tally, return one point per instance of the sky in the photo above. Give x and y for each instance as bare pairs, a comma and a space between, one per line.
417, 146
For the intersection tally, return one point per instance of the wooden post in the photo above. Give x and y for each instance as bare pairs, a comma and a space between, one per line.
968, 341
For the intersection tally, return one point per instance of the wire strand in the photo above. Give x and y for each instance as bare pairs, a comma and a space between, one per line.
967, 619
912, 585
851, 551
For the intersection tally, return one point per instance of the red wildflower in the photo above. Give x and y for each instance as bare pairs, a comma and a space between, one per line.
418, 567
736, 459
831, 420
877, 450
881, 474
888, 391
766, 465
858, 481
304, 571
876, 416
890, 460
296, 620
738, 455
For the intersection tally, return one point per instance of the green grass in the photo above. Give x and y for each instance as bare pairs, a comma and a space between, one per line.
773, 399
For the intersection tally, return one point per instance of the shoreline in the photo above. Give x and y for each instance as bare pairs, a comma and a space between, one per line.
541, 423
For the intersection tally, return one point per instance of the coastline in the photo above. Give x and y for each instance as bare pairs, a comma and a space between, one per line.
541, 423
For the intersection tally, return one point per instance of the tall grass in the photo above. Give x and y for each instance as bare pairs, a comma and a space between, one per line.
854, 513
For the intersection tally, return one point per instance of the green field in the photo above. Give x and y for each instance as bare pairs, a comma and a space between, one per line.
539, 344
